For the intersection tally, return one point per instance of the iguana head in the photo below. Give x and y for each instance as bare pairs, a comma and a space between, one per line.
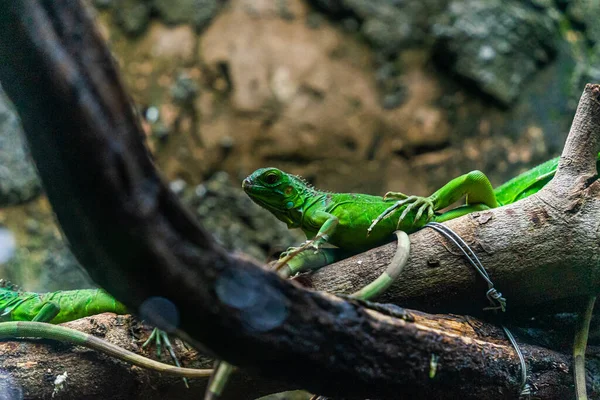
280, 193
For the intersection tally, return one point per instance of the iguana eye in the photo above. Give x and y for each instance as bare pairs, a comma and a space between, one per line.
271, 178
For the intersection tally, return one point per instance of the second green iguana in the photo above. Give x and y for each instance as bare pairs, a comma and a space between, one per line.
30, 315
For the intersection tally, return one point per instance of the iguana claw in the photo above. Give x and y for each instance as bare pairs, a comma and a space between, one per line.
395, 196
424, 204
291, 252
158, 337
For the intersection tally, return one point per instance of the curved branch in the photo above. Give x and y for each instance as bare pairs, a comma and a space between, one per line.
90, 373
135, 239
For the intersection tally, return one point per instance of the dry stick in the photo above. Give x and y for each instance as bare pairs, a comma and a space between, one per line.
135, 239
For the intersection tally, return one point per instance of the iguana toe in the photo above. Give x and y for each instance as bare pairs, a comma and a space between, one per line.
395, 196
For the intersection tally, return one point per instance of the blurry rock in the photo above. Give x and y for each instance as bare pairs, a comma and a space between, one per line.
586, 13
184, 90
133, 16
102, 3
389, 25
62, 271
236, 222
42, 260
168, 44
300, 96
48, 269
335, 8
196, 12
19, 182
496, 45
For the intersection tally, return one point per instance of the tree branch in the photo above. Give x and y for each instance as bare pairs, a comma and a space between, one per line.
34, 366
541, 252
132, 235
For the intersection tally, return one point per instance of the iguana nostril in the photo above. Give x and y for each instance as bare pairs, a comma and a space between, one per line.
246, 183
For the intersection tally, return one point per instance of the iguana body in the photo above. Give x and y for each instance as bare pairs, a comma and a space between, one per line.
55, 307
357, 222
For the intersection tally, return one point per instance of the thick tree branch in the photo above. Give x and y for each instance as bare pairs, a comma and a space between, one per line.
541, 252
33, 366
135, 239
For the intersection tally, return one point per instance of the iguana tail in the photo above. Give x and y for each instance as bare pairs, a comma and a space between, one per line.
528, 182
27, 329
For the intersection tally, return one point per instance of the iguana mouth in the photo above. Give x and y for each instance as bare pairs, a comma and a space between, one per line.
246, 184
252, 189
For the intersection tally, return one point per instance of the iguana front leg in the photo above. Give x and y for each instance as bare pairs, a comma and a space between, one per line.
474, 185
311, 261
47, 313
327, 223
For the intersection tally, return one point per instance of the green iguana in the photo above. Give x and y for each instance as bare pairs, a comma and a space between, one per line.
356, 222
54, 307
31, 315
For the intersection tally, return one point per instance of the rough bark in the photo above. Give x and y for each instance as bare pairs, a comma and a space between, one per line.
135, 239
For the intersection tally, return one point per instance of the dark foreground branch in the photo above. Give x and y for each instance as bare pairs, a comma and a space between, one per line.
33, 367
135, 239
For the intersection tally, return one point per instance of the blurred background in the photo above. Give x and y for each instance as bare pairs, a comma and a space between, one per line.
354, 95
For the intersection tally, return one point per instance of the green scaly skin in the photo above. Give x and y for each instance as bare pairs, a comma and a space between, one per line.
56, 307
345, 220
357, 222
31, 315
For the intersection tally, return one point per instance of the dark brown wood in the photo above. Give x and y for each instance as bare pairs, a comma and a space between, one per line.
136, 240
33, 366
